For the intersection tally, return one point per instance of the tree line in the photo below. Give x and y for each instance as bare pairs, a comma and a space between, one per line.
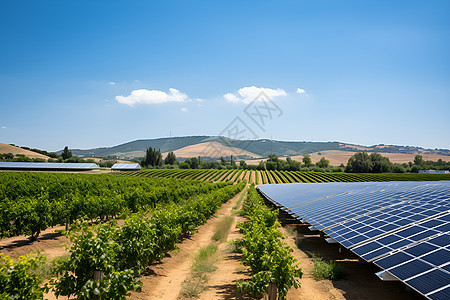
360, 162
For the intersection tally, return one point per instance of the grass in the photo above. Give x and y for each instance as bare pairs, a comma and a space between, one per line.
222, 228
327, 270
238, 203
205, 259
204, 263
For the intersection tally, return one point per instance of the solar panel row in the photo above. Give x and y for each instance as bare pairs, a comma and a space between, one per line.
403, 227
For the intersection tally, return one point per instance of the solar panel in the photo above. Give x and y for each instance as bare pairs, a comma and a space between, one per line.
410, 235
403, 227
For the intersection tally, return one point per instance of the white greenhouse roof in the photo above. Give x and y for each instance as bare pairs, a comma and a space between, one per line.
125, 166
47, 166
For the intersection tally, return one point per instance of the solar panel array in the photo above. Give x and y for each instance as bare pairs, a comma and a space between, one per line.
47, 166
125, 166
402, 227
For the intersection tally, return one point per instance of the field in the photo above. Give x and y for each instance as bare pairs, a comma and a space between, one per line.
128, 226
4, 148
338, 157
263, 177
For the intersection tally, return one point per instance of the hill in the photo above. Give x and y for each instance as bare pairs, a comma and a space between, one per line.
5, 148
214, 146
337, 157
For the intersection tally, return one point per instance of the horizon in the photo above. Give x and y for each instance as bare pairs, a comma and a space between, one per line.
259, 139
90, 75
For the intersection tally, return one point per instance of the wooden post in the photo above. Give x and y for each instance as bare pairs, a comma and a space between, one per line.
67, 224
272, 291
98, 276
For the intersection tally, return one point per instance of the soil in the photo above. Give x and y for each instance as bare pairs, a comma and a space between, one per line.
51, 243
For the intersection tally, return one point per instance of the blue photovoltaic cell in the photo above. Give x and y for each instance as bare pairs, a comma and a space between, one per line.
438, 258
403, 227
410, 269
443, 294
421, 249
430, 281
394, 259
443, 240
405, 237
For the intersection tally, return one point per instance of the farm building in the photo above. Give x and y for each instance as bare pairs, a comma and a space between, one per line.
36, 166
125, 167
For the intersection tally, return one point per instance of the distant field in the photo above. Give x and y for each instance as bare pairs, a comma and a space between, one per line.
208, 148
263, 177
5, 148
337, 157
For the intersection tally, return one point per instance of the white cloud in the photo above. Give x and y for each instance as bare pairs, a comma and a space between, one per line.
4, 127
301, 91
249, 93
144, 96
184, 109
111, 83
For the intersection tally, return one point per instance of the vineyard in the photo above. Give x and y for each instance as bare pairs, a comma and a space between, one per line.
264, 177
105, 258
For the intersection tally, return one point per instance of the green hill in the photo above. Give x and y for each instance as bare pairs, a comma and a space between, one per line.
261, 147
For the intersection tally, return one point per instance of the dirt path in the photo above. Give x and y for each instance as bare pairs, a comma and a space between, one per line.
310, 289
51, 243
165, 278
222, 283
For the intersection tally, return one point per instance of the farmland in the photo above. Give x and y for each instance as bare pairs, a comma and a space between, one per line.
264, 177
155, 213
122, 223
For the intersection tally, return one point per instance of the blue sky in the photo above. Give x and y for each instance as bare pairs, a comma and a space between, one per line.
100, 73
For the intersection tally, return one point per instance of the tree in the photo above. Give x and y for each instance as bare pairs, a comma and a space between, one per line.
184, 165
170, 158
271, 165
261, 166
153, 158
242, 164
359, 163
323, 163
418, 160
66, 153
380, 164
195, 162
307, 160
292, 165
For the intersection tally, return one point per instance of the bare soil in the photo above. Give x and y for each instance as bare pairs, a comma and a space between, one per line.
51, 243
211, 149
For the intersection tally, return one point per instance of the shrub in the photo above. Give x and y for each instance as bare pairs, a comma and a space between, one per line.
21, 279
327, 270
